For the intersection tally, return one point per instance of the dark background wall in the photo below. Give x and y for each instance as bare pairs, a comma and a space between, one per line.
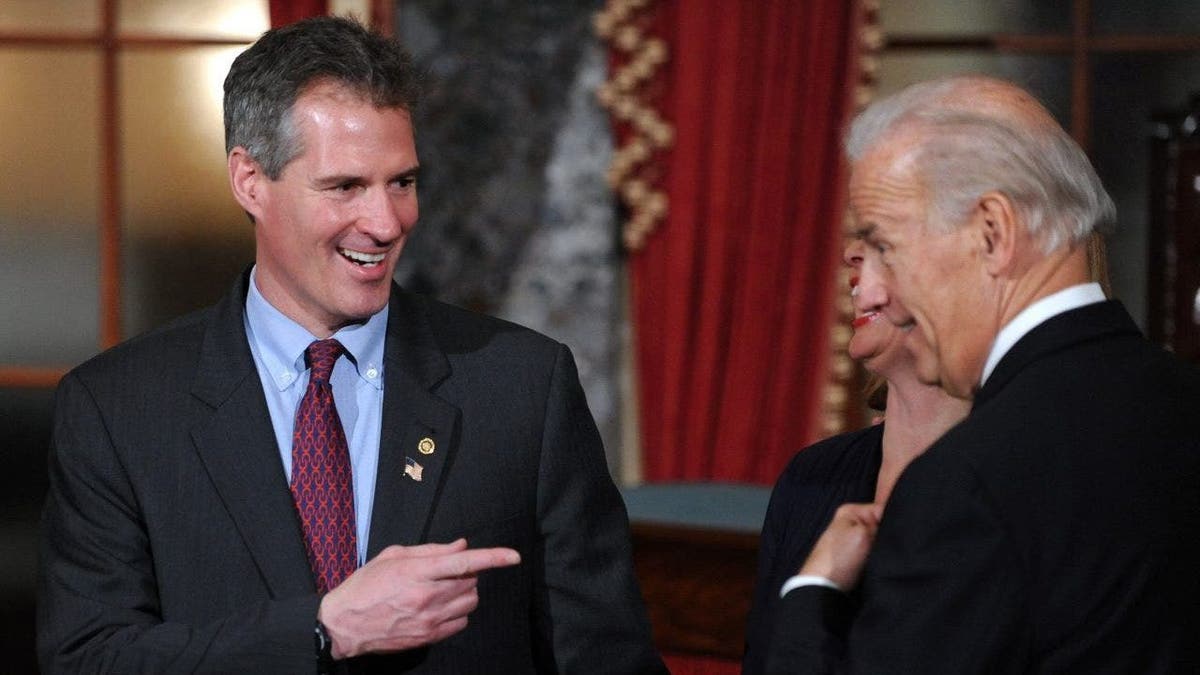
24, 436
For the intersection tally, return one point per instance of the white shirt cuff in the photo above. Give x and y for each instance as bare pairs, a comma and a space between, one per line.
806, 580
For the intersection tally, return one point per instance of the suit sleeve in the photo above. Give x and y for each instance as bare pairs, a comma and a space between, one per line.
943, 590
98, 607
809, 632
589, 603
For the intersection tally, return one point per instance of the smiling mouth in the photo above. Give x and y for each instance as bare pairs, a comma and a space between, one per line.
362, 259
860, 321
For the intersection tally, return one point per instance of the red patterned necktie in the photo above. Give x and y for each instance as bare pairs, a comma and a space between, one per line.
322, 482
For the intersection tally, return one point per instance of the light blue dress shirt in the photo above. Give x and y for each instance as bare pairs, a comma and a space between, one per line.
278, 346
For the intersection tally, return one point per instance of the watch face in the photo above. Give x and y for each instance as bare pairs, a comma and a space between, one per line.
324, 644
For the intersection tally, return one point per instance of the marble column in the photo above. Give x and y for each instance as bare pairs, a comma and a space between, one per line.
516, 218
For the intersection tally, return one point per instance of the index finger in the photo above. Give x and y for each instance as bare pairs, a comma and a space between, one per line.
471, 561
422, 550
856, 513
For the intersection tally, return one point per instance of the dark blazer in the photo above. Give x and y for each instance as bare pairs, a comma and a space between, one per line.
1056, 529
819, 479
171, 543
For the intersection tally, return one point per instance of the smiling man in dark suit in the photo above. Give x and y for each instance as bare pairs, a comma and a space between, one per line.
1057, 528
287, 482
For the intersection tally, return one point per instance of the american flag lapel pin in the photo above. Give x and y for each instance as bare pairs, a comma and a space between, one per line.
412, 469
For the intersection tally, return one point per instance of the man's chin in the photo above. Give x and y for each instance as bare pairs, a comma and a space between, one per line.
930, 374
365, 314
361, 311
956, 385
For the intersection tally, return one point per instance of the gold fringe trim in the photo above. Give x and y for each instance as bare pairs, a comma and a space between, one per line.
837, 401
625, 94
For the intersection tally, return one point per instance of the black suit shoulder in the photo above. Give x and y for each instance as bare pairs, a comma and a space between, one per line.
138, 390
460, 331
1071, 488
145, 356
1104, 409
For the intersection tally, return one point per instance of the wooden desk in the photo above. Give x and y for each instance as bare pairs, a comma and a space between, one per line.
695, 548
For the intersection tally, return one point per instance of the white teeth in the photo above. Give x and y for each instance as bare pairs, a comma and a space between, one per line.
363, 258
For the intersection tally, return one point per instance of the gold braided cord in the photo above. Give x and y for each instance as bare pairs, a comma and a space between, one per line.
626, 96
836, 402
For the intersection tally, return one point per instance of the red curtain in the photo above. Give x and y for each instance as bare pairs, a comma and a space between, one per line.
284, 12
732, 296
689, 664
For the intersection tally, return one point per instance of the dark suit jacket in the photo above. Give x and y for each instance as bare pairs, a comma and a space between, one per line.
1056, 529
171, 543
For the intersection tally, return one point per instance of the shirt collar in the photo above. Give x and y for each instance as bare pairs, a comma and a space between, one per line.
282, 341
1035, 314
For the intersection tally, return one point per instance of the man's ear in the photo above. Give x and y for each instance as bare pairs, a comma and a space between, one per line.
999, 232
246, 179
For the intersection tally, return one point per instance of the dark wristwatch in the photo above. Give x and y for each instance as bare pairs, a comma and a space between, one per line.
324, 645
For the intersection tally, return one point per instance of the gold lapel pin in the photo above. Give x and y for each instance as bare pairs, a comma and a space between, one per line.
426, 446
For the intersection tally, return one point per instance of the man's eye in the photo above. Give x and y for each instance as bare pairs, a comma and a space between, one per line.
881, 251
405, 181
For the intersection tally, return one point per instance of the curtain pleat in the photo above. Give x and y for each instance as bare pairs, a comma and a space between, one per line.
732, 296
284, 12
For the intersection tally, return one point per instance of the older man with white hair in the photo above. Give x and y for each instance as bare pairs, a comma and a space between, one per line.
1057, 528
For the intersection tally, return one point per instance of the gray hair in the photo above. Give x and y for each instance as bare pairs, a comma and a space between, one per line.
963, 153
265, 80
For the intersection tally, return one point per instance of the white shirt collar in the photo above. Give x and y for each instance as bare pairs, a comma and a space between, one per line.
1034, 315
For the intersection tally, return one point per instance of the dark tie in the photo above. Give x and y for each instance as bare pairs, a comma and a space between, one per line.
322, 482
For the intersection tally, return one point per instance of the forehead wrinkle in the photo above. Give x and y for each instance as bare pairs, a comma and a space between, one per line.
885, 187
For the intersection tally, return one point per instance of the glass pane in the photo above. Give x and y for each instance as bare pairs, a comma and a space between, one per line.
202, 18
184, 237
49, 201
1048, 77
1133, 89
50, 15
1160, 16
973, 17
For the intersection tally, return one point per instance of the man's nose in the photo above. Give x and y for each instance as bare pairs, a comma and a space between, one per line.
852, 255
870, 295
388, 215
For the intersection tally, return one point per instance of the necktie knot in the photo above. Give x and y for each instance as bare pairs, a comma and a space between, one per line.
321, 355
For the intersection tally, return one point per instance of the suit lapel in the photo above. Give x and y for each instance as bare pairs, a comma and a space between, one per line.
419, 428
238, 448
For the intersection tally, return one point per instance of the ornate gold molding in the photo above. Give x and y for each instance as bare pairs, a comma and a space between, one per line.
837, 399
627, 95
